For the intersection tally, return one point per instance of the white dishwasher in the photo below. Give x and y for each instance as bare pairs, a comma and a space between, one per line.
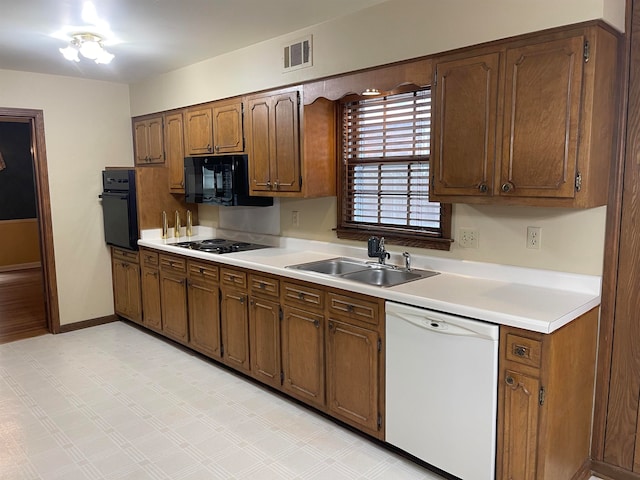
441, 389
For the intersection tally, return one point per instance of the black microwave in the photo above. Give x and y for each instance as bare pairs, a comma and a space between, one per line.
221, 180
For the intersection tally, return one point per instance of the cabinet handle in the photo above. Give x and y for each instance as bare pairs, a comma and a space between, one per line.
507, 187
268, 185
316, 323
242, 300
483, 188
301, 295
520, 350
217, 147
330, 325
208, 147
262, 286
350, 308
201, 271
276, 185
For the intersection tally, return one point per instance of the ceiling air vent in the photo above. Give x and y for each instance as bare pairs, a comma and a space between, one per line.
298, 54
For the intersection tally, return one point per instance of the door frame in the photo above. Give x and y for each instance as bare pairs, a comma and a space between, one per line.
35, 118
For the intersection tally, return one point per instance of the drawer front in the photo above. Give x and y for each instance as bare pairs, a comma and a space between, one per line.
149, 259
233, 278
173, 264
524, 350
354, 308
295, 294
122, 254
204, 272
260, 285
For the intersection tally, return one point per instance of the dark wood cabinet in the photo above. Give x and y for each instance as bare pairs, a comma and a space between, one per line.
148, 140
228, 131
234, 316
151, 298
198, 130
528, 121
264, 329
203, 298
126, 284
174, 149
173, 292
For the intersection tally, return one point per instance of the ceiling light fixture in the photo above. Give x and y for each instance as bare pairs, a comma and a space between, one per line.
370, 92
89, 46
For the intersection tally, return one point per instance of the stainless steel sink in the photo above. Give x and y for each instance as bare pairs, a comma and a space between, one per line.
364, 272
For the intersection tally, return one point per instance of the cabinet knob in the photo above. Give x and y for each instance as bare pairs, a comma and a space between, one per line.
316, 323
509, 380
483, 188
268, 185
217, 147
507, 187
209, 149
262, 286
242, 300
300, 295
350, 308
201, 270
276, 185
520, 350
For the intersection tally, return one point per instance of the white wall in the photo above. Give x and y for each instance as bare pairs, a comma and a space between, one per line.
87, 127
572, 240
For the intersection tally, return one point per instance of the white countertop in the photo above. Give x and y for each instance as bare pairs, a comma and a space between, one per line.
532, 299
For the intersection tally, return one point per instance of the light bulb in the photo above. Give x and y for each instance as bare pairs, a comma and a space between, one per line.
70, 53
90, 48
105, 57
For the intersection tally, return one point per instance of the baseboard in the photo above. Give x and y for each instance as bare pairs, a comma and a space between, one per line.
19, 266
611, 472
584, 473
94, 322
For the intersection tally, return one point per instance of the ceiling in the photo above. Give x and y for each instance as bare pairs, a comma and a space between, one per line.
150, 37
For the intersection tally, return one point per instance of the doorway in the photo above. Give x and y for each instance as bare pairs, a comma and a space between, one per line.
28, 289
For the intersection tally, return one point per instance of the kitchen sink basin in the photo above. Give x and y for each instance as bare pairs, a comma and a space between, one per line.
364, 272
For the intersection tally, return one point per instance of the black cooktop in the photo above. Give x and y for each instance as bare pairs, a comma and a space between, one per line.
220, 245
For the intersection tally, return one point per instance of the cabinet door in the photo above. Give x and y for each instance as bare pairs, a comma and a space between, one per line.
264, 339
151, 306
303, 355
204, 318
228, 135
464, 123
140, 142
520, 427
285, 149
126, 290
174, 306
258, 144
199, 135
149, 141
541, 114
174, 147
235, 329
353, 374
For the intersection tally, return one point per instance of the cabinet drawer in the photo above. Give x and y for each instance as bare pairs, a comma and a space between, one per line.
204, 272
354, 308
173, 264
260, 285
233, 278
523, 350
295, 294
122, 254
149, 259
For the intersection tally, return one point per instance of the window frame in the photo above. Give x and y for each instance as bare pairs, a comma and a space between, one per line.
405, 236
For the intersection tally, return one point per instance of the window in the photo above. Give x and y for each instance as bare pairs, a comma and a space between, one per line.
385, 172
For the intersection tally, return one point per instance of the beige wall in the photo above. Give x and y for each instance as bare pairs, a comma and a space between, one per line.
572, 240
87, 127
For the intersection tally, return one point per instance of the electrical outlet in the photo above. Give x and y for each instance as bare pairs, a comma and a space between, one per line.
534, 237
468, 238
295, 218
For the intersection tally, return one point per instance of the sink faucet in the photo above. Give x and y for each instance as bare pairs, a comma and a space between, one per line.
375, 248
382, 253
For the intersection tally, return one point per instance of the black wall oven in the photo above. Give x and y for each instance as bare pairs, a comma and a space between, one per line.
119, 208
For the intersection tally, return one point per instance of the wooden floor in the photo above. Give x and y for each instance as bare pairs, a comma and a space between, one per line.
22, 304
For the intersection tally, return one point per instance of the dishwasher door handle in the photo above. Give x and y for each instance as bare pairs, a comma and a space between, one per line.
436, 325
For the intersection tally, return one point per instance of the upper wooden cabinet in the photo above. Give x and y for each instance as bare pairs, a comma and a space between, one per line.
529, 121
174, 148
214, 128
148, 140
291, 149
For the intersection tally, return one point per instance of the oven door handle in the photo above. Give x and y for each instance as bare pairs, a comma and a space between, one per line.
117, 196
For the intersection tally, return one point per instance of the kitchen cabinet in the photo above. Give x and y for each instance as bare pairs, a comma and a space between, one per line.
150, 283
292, 150
354, 366
303, 358
174, 149
234, 316
529, 121
173, 294
545, 401
264, 329
203, 300
148, 140
126, 284
214, 128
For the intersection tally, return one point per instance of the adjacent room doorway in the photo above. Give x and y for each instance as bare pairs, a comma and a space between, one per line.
28, 291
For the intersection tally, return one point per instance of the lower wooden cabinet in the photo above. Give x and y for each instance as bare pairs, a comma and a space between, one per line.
203, 299
173, 290
126, 284
151, 301
234, 316
264, 329
545, 401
